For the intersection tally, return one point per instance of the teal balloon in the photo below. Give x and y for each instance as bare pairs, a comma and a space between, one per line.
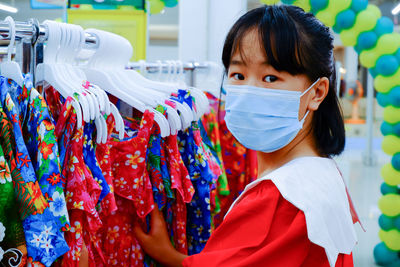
373, 72
288, 2
344, 20
386, 223
395, 263
366, 40
397, 54
386, 128
383, 99
170, 3
387, 65
317, 5
388, 189
358, 5
383, 255
397, 222
396, 161
396, 129
394, 96
335, 28
383, 25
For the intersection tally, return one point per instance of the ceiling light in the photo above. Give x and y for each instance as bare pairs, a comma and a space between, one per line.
396, 10
8, 8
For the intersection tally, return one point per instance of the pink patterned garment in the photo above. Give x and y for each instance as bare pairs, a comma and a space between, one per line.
133, 194
180, 181
82, 191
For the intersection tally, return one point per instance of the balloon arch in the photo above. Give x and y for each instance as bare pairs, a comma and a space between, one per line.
361, 25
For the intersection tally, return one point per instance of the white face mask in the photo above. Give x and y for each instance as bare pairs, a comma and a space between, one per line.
263, 119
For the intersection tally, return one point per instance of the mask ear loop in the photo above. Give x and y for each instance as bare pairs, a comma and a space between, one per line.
305, 92
309, 88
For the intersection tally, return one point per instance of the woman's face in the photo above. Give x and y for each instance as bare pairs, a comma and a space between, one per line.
251, 68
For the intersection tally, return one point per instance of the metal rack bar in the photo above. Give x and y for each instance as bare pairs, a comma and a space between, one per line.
27, 30
152, 67
155, 67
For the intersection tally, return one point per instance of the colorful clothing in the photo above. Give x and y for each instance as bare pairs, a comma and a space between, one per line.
239, 162
198, 210
12, 238
40, 141
91, 160
82, 191
184, 191
133, 193
45, 242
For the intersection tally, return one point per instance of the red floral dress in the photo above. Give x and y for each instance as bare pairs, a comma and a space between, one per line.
133, 194
180, 181
82, 191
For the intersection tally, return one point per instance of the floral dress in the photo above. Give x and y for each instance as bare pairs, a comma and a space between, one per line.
91, 160
82, 191
184, 191
12, 238
198, 210
133, 193
239, 162
45, 243
40, 140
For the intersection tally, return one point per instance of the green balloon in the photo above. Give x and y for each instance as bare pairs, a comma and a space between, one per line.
388, 44
326, 17
368, 58
304, 4
365, 21
156, 6
391, 115
391, 239
389, 204
349, 37
390, 175
383, 84
270, 2
391, 144
376, 10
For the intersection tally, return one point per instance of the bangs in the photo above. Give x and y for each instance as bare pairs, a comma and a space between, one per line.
278, 36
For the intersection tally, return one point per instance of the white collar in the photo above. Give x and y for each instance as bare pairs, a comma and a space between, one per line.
315, 186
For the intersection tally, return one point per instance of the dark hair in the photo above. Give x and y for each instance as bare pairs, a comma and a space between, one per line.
298, 43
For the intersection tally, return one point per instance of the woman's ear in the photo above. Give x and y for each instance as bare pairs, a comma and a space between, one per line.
321, 91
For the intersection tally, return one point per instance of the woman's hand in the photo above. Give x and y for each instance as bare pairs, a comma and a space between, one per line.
157, 243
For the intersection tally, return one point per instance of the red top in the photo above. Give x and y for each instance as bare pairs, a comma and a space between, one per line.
263, 229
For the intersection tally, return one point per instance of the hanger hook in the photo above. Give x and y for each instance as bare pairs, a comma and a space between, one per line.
11, 35
159, 64
142, 64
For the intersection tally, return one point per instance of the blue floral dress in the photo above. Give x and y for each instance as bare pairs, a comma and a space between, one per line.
45, 240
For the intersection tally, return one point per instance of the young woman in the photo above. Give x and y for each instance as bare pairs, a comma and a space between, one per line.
281, 101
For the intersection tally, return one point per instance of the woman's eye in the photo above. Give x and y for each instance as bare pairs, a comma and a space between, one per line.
270, 78
238, 76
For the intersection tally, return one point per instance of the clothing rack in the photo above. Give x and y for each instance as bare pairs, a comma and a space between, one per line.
29, 38
152, 67
31, 35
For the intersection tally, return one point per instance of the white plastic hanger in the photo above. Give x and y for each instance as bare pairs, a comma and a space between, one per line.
149, 97
92, 91
46, 71
76, 38
9, 68
63, 71
144, 94
95, 72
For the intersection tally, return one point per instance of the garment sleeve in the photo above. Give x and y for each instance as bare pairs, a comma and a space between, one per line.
263, 229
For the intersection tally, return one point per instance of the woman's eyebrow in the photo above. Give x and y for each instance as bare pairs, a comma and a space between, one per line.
237, 62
